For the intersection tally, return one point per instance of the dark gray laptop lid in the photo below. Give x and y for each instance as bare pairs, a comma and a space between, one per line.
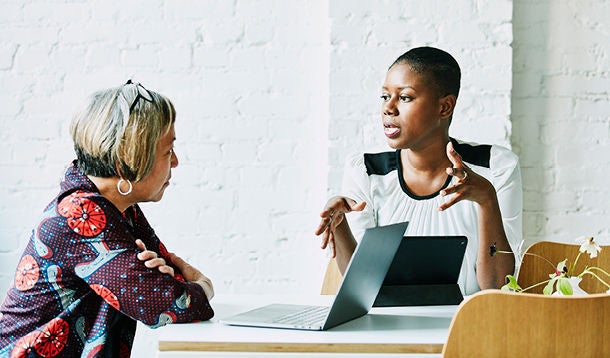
365, 273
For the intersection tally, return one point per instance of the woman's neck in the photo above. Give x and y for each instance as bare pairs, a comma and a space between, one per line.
424, 171
108, 189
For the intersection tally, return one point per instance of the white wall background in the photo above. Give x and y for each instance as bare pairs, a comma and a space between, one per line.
560, 115
273, 95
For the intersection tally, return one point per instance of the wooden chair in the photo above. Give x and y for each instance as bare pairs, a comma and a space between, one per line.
332, 279
494, 323
535, 269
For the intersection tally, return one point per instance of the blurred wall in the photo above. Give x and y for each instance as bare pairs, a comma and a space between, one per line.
560, 114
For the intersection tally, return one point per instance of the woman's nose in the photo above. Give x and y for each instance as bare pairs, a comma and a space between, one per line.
389, 108
174, 161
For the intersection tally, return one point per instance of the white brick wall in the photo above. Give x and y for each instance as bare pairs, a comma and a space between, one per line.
366, 39
560, 112
272, 95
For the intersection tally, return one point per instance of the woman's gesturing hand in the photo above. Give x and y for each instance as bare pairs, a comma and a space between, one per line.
470, 185
332, 215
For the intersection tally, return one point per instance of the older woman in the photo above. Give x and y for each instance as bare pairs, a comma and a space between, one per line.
93, 265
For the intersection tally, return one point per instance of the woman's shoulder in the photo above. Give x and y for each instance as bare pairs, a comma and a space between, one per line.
373, 162
491, 156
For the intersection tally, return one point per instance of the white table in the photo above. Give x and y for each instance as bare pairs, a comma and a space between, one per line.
401, 331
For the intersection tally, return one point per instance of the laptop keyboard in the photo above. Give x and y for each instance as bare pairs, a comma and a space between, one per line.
312, 315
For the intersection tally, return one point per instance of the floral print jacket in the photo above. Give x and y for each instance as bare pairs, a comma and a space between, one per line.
79, 287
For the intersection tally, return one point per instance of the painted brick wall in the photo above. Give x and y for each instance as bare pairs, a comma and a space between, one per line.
366, 39
250, 84
269, 104
250, 87
560, 115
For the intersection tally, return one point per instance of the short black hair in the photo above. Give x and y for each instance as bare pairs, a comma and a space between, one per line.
439, 67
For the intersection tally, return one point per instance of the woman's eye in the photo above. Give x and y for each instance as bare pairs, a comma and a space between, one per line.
405, 98
385, 97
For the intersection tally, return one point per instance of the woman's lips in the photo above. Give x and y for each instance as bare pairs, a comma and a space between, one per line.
390, 130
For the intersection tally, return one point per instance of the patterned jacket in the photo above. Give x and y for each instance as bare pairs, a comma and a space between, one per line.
79, 287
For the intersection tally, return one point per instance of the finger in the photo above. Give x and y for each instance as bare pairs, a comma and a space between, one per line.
449, 203
460, 173
154, 263
140, 245
167, 270
333, 252
325, 239
452, 189
359, 206
146, 255
324, 223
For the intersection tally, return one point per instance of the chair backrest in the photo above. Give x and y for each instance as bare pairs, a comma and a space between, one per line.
332, 279
534, 269
494, 323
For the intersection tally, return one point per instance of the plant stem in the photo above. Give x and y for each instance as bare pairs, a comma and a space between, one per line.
544, 258
588, 270
538, 284
570, 272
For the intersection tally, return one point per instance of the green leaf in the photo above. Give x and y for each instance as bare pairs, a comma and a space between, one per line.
548, 289
564, 286
511, 285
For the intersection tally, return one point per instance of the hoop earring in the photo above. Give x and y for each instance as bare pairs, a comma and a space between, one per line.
118, 187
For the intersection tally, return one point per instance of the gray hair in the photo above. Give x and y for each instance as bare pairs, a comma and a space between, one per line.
116, 131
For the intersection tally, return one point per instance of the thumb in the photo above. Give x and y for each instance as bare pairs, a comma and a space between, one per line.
358, 206
454, 156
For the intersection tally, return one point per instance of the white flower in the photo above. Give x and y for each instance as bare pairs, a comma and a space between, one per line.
588, 245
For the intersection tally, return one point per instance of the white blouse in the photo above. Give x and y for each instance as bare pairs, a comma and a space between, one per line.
377, 179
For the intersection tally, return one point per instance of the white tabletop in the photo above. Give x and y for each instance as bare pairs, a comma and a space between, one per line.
389, 329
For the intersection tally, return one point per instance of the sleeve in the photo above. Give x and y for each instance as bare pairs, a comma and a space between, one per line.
356, 185
113, 271
506, 178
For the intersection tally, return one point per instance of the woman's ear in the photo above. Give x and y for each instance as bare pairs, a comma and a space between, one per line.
447, 105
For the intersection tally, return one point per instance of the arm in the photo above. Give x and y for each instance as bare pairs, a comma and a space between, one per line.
189, 273
491, 271
137, 291
338, 235
109, 264
336, 231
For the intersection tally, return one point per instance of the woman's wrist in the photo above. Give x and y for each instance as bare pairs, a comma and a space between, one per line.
207, 287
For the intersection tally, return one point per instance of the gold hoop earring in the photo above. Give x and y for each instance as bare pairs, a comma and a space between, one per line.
118, 187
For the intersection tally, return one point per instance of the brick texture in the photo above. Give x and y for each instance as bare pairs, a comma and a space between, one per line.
273, 95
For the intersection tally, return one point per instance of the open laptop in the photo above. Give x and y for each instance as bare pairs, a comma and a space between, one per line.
363, 277
424, 271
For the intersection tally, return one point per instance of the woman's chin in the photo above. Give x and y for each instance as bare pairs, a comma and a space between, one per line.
393, 143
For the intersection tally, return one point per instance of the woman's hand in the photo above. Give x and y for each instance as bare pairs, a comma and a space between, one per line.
470, 185
151, 259
191, 274
332, 215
